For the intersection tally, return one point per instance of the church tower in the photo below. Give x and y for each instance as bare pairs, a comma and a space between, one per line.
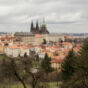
44, 28
37, 28
32, 27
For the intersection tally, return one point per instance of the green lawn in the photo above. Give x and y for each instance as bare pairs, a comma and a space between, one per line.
13, 86
46, 85
54, 84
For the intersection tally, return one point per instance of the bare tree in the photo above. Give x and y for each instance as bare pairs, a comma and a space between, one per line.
12, 68
35, 73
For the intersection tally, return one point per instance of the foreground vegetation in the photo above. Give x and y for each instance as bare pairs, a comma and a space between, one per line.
75, 68
30, 72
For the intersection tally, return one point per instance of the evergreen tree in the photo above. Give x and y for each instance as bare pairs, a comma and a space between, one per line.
46, 64
81, 74
80, 77
44, 41
60, 41
67, 65
25, 55
37, 57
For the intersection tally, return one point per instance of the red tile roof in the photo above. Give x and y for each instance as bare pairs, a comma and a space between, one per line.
56, 61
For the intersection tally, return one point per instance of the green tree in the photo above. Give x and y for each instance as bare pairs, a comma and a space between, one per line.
60, 40
44, 41
25, 55
46, 64
80, 77
67, 66
37, 58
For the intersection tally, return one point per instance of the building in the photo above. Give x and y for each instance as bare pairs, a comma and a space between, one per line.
25, 37
39, 30
15, 50
29, 37
53, 37
38, 34
56, 64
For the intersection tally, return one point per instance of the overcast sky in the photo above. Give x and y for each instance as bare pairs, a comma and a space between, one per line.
60, 15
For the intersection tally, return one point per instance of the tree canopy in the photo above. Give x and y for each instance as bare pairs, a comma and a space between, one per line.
46, 64
80, 77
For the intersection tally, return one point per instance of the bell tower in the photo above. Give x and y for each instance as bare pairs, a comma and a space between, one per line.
44, 28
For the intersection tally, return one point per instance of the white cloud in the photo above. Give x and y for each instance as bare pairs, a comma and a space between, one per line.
5, 10
60, 15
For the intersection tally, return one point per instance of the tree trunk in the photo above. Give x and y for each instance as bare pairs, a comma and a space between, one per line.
33, 82
33, 86
23, 83
18, 77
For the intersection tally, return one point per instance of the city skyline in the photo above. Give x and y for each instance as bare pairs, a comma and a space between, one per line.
61, 16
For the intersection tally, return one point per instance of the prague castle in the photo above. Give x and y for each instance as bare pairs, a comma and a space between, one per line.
37, 34
39, 30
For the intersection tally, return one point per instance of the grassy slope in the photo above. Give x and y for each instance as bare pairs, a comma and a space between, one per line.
50, 85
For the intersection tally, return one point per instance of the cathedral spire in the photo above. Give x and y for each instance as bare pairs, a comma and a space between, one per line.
37, 26
39, 29
32, 26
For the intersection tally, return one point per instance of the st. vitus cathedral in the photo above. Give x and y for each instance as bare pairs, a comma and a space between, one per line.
39, 30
